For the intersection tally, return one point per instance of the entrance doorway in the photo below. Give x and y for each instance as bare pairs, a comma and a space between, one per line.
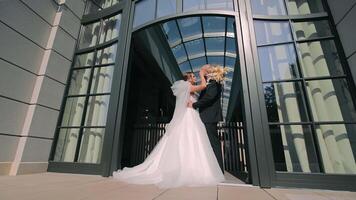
159, 55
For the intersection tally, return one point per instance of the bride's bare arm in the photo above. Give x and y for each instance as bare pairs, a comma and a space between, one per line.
202, 85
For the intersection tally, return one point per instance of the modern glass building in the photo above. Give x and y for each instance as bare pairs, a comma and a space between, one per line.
288, 101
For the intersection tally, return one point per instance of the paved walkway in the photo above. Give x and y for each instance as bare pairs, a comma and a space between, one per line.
53, 186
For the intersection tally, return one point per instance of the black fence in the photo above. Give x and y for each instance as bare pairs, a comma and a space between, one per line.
231, 134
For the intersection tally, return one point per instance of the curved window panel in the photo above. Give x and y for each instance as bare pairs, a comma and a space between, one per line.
97, 110
79, 81
268, 7
144, 12
198, 63
337, 147
106, 55
195, 48
166, 7
172, 32
190, 5
216, 60
215, 45
179, 53
278, 62
302, 7
190, 26
84, 60
284, 102
312, 29
89, 35
111, 28
330, 100
73, 111
102, 79
66, 144
272, 32
292, 149
214, 25
91, 145
185, 67
320, 58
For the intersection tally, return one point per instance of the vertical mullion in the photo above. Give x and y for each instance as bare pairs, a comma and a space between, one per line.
203, 37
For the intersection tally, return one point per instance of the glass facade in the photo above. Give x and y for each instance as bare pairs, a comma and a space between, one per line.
148, 10
82, 128
307, 95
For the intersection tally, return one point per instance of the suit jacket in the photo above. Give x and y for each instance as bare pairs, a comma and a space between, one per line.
209, 103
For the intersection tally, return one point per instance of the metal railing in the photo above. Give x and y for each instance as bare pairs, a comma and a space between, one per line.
231, 134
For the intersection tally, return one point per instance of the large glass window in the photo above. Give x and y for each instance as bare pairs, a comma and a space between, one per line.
308, 98
82, 126
94, 6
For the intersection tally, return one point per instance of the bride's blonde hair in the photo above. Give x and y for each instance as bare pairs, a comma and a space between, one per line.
217, 73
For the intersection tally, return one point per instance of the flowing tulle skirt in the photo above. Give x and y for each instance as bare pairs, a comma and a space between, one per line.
183, 157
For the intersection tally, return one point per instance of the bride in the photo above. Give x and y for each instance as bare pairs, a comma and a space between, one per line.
183, 156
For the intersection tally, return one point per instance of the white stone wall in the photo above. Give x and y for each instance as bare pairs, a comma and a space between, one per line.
37, 42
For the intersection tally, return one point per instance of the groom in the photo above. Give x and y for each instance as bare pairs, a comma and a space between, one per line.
210, 113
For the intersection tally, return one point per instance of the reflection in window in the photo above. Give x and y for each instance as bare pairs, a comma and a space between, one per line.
190, 26
91, 145
292, 151
268, 7
302, 7
172, 32
106, 55
331, 100
320, 58
166, 7
79, 81
97, 110
73, 111
272, 32
93, 6
198, 63
110, 28
89, 35
102, 79
66, 145
179, 53
337, 146
215, 45
190, 5
278, 62
312, 29
83, 60
214, 25
144, 12
284, 102
216, 60
195, 47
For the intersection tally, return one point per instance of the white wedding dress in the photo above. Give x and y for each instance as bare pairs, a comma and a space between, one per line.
183, 156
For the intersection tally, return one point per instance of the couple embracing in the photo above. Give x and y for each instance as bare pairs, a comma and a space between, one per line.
189, 154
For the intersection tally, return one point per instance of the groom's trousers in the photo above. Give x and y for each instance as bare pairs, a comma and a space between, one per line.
212, 130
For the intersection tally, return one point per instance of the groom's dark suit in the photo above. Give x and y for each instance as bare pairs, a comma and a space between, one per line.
210, 113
